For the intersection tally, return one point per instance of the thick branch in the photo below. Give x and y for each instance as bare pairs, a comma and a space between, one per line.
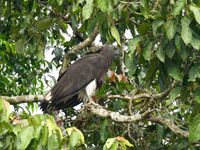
115, 116
23, 99
170, 124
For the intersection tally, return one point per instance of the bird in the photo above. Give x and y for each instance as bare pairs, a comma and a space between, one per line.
80, 81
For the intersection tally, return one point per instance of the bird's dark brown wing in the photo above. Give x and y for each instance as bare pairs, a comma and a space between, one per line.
77, 77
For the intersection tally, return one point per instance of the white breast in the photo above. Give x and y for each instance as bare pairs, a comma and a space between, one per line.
91, 89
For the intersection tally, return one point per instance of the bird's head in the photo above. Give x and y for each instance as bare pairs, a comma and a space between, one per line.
111, 51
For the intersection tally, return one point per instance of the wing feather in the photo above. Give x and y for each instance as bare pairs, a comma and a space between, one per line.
77, 77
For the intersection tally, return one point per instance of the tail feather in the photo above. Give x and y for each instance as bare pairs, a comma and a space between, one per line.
44, 106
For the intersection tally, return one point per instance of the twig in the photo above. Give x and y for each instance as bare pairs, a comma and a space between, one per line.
170, 124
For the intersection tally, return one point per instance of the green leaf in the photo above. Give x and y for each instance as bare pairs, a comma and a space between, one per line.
195, 43
20, 45
60, 2
155, 25
103, 130
117, 143
131, 63
170, 49
44, 24
24, 138
115, 34
87, 9
194, 73
174, 72
194, 129
133, 43
147, 54
108, 143
196, 12
197, 95
145, 8
4, 110
103, 5
76, 137
186, 32
170, 28
160, 54
178, 7
175, 92
44, 135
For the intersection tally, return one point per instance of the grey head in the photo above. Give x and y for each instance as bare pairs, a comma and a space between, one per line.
110, 51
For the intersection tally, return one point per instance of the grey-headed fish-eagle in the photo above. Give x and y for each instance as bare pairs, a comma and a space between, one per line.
80, 80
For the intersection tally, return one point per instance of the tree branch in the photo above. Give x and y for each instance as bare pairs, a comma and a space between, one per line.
115, 116
102, 112
157, 96
170, 124
23, 99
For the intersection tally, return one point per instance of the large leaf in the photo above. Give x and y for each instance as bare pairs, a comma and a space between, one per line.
87, 9
170, 49
44, 24
160, 53
155, 25
197, 95
196, 12
131, 63
174, 72
170, 28
194, 73
5, 110
186, 32
133, 43
195, 42
24, 138
147, 54
194, 129
76, 137
178, 7
103, 5
115, 34
20, 46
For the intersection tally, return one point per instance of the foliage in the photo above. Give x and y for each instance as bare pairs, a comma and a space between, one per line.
41, 132
161, 44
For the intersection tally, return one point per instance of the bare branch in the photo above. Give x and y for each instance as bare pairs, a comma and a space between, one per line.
23, 99
170, 124
157, 96
115, 116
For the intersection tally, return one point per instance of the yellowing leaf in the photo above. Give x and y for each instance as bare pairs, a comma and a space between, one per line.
125, 141
103, 5
196, 12
115, 34
87, 9
76, 137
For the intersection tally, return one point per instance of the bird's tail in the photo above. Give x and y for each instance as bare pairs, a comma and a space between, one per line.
44, 106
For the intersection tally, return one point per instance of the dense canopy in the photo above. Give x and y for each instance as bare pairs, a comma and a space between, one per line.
151, 97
